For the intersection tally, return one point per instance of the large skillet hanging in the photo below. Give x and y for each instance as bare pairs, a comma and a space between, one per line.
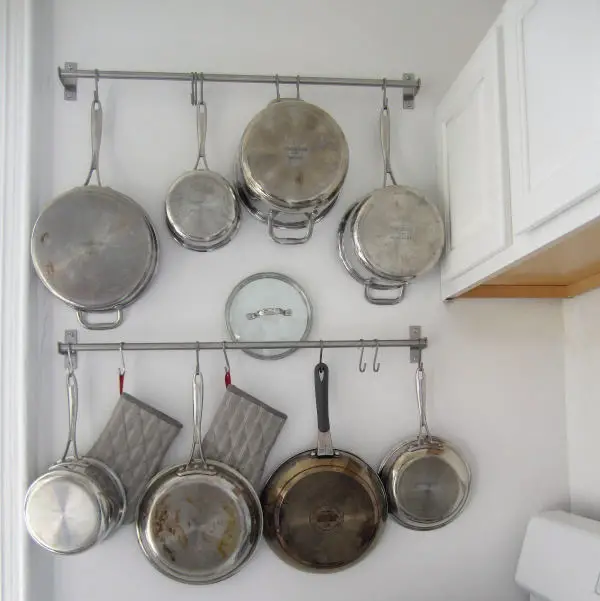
397, 233
201, 208
199, 522
93, 247
426, 479
323, 508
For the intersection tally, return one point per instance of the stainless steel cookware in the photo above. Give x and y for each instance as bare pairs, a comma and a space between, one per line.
93, 247
202, 208
292, 163
397, 234
426, 479
79, 501
324, 509
199, 522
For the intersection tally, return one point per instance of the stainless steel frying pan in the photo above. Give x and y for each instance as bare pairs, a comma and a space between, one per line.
199, 522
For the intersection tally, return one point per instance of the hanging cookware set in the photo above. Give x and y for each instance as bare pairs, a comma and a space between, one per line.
97, 250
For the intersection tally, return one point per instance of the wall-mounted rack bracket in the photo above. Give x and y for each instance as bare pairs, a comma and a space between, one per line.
68, 81
71, 337
414, 332
410, 83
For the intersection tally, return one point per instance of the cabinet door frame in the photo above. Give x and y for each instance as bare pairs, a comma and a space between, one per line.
485, 64
533, 207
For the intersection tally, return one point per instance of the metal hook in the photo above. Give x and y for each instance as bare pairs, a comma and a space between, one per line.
194, 94
70, 367
385, 99
376, 365
362, 365
297, 87
227, 367
96, 80
197, 358
277, 86
201, 88
122, 369
321, 352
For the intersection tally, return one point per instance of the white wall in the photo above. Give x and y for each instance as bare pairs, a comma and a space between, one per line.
495, 368
582, 358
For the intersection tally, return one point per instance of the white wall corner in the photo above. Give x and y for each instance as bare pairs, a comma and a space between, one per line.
15, 169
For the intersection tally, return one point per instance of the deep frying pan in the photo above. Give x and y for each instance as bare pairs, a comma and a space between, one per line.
199, 522
93, 247
324, 509
426, 479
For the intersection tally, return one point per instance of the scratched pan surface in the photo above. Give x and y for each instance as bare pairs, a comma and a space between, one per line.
199, 526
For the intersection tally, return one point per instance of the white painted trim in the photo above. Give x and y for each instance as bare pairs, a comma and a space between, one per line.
15, 202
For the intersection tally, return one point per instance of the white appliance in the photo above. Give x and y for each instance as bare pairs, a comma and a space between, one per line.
560, 558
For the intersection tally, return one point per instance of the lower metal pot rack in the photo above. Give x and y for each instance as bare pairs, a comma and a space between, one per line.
71, 345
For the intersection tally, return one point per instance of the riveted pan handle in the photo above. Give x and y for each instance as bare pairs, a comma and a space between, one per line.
310, 224
82, 317
324, 443
96, 135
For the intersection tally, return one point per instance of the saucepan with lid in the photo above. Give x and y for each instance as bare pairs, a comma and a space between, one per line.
293, 161
79, 501
93, 247
426, 479
394, 234
202, 208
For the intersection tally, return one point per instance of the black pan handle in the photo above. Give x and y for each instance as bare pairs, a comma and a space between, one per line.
324, 444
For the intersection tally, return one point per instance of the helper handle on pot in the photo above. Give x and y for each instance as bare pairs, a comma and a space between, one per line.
384, 129
201, 125
96, 134
197, 462
420, 387
324, 443
72, 397
99, 325
371, 286
310, 224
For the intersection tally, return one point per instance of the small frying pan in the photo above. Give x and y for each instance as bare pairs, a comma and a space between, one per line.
426, 479
324, 509
199, 522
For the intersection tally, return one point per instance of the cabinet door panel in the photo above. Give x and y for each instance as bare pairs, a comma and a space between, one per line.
553, 105
472, 170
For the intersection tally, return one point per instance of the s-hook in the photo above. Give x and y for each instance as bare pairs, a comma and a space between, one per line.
197, 372
320, 351
376, 364
227, 367
297, 87
277, 86
122, 368
362, 364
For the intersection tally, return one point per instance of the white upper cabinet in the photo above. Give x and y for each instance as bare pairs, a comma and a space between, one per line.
471, 162
553, 105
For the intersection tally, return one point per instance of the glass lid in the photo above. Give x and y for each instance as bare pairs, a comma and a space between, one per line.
268, 306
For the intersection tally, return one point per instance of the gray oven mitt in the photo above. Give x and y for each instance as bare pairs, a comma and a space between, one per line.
243, 433
133, 443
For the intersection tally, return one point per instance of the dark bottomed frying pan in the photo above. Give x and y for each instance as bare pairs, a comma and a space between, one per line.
323, 509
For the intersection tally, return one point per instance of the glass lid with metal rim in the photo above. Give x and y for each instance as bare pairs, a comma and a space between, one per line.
268, 306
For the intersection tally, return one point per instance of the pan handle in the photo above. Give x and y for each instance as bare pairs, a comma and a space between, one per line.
290, 240
197, 462
96, 135
384, 129
424, 433
73, 399
100, 325
324, 443
371, 286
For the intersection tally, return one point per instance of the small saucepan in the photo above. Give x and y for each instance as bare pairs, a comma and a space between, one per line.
79, 501
324, 509
199, 522
426, 479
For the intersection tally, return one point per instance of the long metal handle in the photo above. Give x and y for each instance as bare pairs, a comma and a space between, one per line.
324, 442
310, 224
197, 460
269, 311
73, 401
420, 388
96, 135
384, 129
201, 125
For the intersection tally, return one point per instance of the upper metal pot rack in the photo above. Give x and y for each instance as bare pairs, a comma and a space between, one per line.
71, 345
70, 73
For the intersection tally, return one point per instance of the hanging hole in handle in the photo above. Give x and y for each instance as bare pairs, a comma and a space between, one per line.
310, 218
371, 287
82, 317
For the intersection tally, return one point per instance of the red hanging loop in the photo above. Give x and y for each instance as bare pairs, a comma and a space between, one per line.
227, 367
121, 381
122, 369
227, 378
